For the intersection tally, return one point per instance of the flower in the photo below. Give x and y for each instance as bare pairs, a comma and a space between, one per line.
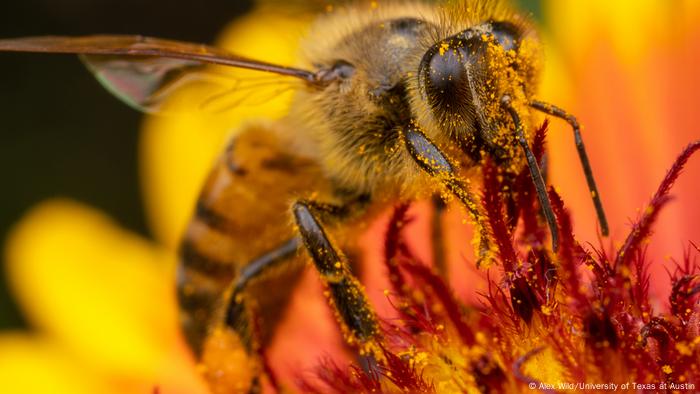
541, 323
101, 304
102, 310
626, 70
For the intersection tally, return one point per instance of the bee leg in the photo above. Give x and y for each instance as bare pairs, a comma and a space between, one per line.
437, 236
237, 316
535, 173
583, 157
346, 295
235, 341
431, 160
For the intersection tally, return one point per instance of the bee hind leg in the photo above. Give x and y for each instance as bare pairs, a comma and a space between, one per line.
345, 294
232, 359
237, 316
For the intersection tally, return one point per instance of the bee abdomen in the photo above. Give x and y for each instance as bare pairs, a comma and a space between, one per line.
195, 260
241, 214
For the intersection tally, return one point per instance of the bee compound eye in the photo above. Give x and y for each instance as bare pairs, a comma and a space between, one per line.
443, 76
506, 35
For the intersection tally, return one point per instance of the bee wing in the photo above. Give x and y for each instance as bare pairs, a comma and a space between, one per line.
154, 84
144, 72
243, 91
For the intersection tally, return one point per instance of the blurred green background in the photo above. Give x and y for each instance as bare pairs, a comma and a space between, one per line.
61, 133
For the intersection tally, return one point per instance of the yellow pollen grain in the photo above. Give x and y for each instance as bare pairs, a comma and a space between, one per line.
667, 369
337, 265
444, 47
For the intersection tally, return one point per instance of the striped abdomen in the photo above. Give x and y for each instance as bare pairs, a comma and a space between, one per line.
242, 213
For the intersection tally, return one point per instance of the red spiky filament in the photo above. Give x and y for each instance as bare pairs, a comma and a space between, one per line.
575, 317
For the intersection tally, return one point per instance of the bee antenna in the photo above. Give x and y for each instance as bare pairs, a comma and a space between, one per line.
583, 157
535, 172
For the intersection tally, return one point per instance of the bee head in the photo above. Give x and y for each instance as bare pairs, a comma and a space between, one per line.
463, 78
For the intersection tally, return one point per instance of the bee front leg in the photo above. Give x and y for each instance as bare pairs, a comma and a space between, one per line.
583, 157
346, 295
436, 164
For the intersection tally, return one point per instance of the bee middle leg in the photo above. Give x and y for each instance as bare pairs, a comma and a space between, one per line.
355, 315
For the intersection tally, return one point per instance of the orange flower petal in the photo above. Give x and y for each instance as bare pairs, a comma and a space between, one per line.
625, 68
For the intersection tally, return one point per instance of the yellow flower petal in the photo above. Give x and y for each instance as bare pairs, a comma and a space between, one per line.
177, 151
630, 26
33, 365
102, 292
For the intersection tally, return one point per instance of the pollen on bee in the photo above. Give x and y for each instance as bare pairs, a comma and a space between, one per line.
444, 47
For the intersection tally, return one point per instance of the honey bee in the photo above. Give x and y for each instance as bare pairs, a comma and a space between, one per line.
397, 101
